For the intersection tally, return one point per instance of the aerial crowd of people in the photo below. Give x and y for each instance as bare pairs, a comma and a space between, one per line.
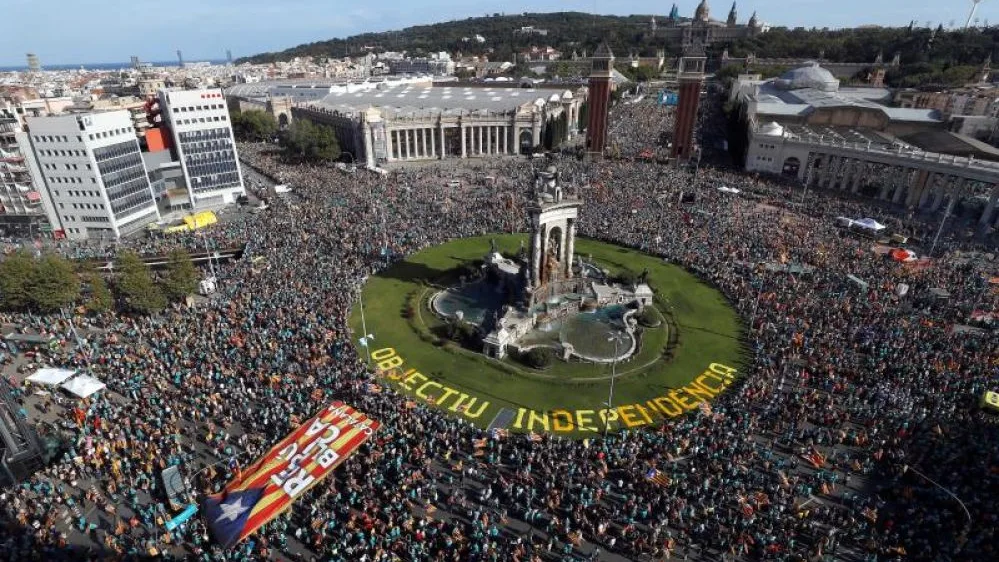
854, 432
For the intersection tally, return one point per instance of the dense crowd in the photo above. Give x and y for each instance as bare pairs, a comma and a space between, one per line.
853, 403
642, 127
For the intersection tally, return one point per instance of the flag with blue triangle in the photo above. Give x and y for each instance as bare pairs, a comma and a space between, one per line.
227, 513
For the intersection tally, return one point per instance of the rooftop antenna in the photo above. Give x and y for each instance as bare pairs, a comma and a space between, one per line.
974, 8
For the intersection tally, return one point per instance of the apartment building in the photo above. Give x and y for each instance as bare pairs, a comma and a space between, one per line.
93, 173
205, 146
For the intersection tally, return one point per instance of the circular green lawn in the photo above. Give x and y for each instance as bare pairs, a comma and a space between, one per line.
680, 365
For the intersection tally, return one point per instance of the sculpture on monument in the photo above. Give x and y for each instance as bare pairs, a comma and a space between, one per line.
544, 290
552, 265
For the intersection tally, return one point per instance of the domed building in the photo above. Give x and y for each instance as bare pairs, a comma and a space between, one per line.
702, 30
811, 76
806, 126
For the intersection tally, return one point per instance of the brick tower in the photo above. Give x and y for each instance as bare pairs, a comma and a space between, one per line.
690, 74
599, 101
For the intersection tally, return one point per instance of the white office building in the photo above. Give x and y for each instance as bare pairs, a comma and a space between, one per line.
206, 148
93, 173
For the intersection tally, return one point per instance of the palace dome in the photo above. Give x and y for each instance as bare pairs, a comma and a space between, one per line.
811, 76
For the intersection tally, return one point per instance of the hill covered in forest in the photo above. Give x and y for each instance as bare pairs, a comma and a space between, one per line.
928, 56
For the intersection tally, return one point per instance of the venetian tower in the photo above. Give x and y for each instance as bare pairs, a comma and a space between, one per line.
599, 101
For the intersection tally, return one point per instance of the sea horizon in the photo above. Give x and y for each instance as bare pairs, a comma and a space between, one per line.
105, 65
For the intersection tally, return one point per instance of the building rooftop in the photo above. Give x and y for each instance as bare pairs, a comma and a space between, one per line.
946, 142
417, 98
773, 100
843, 135
264, 89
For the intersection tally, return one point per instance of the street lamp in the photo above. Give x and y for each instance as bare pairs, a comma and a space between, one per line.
943, 221
614, 336
366, 339
967, 514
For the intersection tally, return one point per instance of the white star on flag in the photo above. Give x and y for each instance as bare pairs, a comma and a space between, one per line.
232, 511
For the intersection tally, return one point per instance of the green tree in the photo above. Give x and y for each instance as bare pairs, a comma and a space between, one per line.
181, 276
253, 125
648, 317
54, 283
539, 357
16, 274
305, 141
135, 285
99, 297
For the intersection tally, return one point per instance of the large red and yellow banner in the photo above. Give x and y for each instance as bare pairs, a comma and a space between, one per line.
299, 461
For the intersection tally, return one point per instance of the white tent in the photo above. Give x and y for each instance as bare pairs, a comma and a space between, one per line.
83, 386
51, 377
870, 224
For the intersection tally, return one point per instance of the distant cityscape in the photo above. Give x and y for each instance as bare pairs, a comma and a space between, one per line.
172, 118
100, 65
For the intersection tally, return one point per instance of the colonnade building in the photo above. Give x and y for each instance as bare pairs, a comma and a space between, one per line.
805, 126
414, 122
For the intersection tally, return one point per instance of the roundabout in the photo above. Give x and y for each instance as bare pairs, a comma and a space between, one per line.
686, 355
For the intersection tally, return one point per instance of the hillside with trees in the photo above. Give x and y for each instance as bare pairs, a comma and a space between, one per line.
929, 56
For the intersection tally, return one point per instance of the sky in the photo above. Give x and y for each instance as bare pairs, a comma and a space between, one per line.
94, 31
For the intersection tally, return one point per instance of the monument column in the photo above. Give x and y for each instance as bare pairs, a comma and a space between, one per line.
569, 245
369, 153
479, 129
536, 256
848, 173
904, 178
928, 188
918, 180
440, 132
886, 187
464, 153
861, 169
938, 194
989, 207
835, 163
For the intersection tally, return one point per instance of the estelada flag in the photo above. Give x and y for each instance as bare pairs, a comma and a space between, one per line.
269, 486
656, 477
